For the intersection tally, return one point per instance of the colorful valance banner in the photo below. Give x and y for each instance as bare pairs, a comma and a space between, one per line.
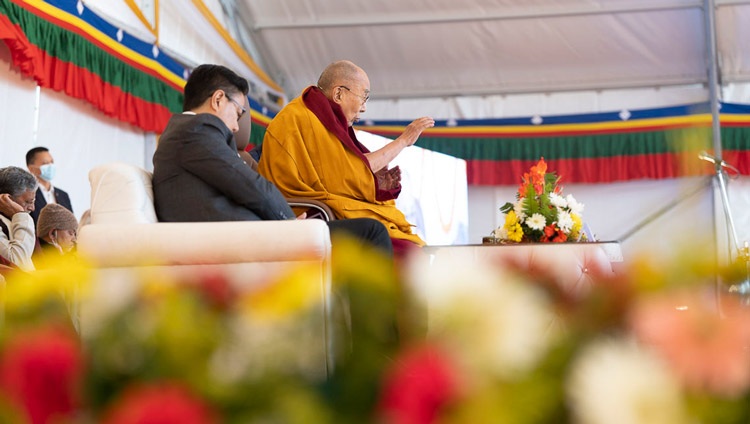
593, 148
66, 47
590, 148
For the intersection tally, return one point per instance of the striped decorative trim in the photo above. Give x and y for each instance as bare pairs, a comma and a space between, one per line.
52, 46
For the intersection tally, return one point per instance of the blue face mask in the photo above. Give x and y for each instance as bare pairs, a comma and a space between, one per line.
47, 172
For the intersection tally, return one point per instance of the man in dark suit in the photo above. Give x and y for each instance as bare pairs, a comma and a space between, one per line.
40, 163
198, 175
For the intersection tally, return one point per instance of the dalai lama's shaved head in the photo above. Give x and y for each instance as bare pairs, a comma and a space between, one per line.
347, 85
339, 72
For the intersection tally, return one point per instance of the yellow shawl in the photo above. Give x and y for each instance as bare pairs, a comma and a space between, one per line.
304, 159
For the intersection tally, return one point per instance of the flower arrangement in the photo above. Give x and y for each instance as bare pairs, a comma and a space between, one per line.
541, 213
501, 344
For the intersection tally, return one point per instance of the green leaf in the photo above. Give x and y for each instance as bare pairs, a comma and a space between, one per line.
507, 207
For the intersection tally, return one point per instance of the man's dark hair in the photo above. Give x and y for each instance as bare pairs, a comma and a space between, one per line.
16, 181
206, 79
31, 154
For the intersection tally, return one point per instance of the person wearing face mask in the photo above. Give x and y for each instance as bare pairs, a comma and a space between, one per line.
40, 163
313, 135
17, 237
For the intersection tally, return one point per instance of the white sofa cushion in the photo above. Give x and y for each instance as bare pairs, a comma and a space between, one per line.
121, 193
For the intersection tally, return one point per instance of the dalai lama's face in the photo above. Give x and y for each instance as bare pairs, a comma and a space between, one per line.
353, 97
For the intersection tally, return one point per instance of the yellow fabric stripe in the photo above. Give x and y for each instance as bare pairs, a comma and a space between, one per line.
242, 54
544, 129
260, 117
107, 41
735, 118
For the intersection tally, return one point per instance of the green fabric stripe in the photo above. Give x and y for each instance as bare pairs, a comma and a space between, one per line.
73, 48
735, 138
570, 147
257, 132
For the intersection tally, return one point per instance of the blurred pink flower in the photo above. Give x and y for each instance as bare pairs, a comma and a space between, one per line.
422, 382
42, 370
706, 351
160, 403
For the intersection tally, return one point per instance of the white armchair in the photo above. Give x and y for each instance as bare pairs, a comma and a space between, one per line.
123, 236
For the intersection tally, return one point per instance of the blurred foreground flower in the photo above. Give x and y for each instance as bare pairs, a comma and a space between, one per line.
706, 350
165, 403
617, 382
493, 319
422, 382
41, 372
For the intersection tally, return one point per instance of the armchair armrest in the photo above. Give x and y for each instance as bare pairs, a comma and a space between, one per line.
172, 243
326, 214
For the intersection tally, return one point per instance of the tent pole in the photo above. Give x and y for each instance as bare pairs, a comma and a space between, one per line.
740, 289
714, 94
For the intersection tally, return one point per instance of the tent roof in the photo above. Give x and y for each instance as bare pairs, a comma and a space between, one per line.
417, 49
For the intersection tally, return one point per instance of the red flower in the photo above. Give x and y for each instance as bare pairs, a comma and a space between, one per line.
553, 234
160, 403
217, 289
421, 383
41, 369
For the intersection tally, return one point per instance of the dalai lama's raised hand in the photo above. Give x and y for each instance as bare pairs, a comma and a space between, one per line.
380, 159
414, 130
389, 178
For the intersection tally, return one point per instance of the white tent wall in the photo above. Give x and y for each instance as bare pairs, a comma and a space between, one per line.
78, 136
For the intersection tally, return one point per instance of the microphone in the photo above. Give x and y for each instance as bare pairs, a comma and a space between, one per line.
718, 163
708, 158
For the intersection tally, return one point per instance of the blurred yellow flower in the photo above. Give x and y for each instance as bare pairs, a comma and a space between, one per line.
292, 293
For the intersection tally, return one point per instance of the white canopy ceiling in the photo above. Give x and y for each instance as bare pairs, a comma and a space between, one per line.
468, 58
443, 50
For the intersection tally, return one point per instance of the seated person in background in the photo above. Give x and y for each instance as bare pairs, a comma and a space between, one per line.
199, 176
40, 163
56, 230
310, 150
17, 238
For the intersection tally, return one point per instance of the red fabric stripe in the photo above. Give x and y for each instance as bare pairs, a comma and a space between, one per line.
600, 170
58, 75
111, 100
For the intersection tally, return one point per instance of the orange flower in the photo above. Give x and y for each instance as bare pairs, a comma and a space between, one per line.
537, 175
535, 178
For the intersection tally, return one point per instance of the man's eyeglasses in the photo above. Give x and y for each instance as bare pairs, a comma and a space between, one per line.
364, 98
243, 110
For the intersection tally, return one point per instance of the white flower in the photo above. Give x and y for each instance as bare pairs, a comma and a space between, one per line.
574, 206
518, 209
500, 233
617, 382
487, 317
536, 222
557, 201
564, 221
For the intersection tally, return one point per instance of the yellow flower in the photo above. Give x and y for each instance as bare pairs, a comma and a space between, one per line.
575, 230
510, 219
515, 233
513, 227
289, 295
